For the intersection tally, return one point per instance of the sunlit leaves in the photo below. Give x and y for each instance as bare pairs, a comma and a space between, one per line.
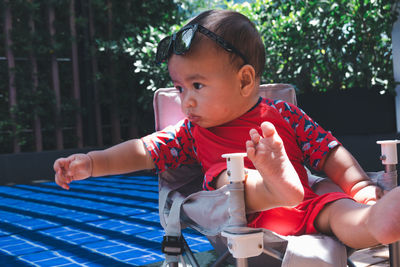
325, 45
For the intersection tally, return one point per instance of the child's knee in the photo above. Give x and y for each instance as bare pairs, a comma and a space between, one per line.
388, 232
384, 218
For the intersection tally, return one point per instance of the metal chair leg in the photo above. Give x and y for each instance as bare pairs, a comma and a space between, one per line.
350, 263
389, 160
189, 254
394, 254
241, 262
221, 259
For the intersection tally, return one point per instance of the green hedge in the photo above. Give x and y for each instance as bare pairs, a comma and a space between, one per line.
316, 45
327, 45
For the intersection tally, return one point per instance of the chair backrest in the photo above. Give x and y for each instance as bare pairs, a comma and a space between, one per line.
183, 203
279, 91
167, 104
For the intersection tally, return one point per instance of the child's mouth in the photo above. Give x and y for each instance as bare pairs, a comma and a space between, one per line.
193, 118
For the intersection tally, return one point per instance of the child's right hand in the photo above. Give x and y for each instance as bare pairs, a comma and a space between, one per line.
75, 167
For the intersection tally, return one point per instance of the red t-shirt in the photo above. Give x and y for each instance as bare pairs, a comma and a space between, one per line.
304, 140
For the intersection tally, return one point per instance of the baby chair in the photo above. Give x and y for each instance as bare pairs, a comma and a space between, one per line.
220, 214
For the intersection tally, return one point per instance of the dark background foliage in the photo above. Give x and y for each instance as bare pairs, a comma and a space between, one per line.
318, 46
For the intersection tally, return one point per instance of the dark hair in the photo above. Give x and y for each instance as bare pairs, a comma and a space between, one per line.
238, 30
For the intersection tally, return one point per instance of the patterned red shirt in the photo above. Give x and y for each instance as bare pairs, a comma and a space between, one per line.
305, 142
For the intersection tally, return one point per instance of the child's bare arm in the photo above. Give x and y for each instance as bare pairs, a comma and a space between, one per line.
340, 166
123, 158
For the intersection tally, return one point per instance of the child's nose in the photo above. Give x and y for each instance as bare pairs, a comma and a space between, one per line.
188, 100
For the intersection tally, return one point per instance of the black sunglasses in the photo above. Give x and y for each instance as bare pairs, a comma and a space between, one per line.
179, 43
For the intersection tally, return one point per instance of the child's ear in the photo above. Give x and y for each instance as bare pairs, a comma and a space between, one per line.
247, 76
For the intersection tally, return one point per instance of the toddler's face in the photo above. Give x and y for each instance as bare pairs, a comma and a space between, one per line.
209, 85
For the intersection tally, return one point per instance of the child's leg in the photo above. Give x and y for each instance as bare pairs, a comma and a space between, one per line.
358, 225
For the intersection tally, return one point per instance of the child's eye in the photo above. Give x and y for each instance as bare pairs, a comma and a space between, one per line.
197, 86
179, 88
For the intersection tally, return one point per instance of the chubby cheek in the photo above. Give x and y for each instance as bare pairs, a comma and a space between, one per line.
225, 109
213, 108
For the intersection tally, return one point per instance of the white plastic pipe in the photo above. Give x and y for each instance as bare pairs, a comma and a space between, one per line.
389, 151
235, 166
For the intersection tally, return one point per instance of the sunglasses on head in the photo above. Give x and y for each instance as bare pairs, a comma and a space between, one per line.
179, 43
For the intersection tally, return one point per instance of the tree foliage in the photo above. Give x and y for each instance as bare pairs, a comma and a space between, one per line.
318, 46
137, 27
326, 45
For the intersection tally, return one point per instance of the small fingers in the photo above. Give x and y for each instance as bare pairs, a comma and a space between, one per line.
269, 133
72, 165
250, 149
62, 176
62, 182
251, 144
254, 136
73, 168
268, 129
60, 164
